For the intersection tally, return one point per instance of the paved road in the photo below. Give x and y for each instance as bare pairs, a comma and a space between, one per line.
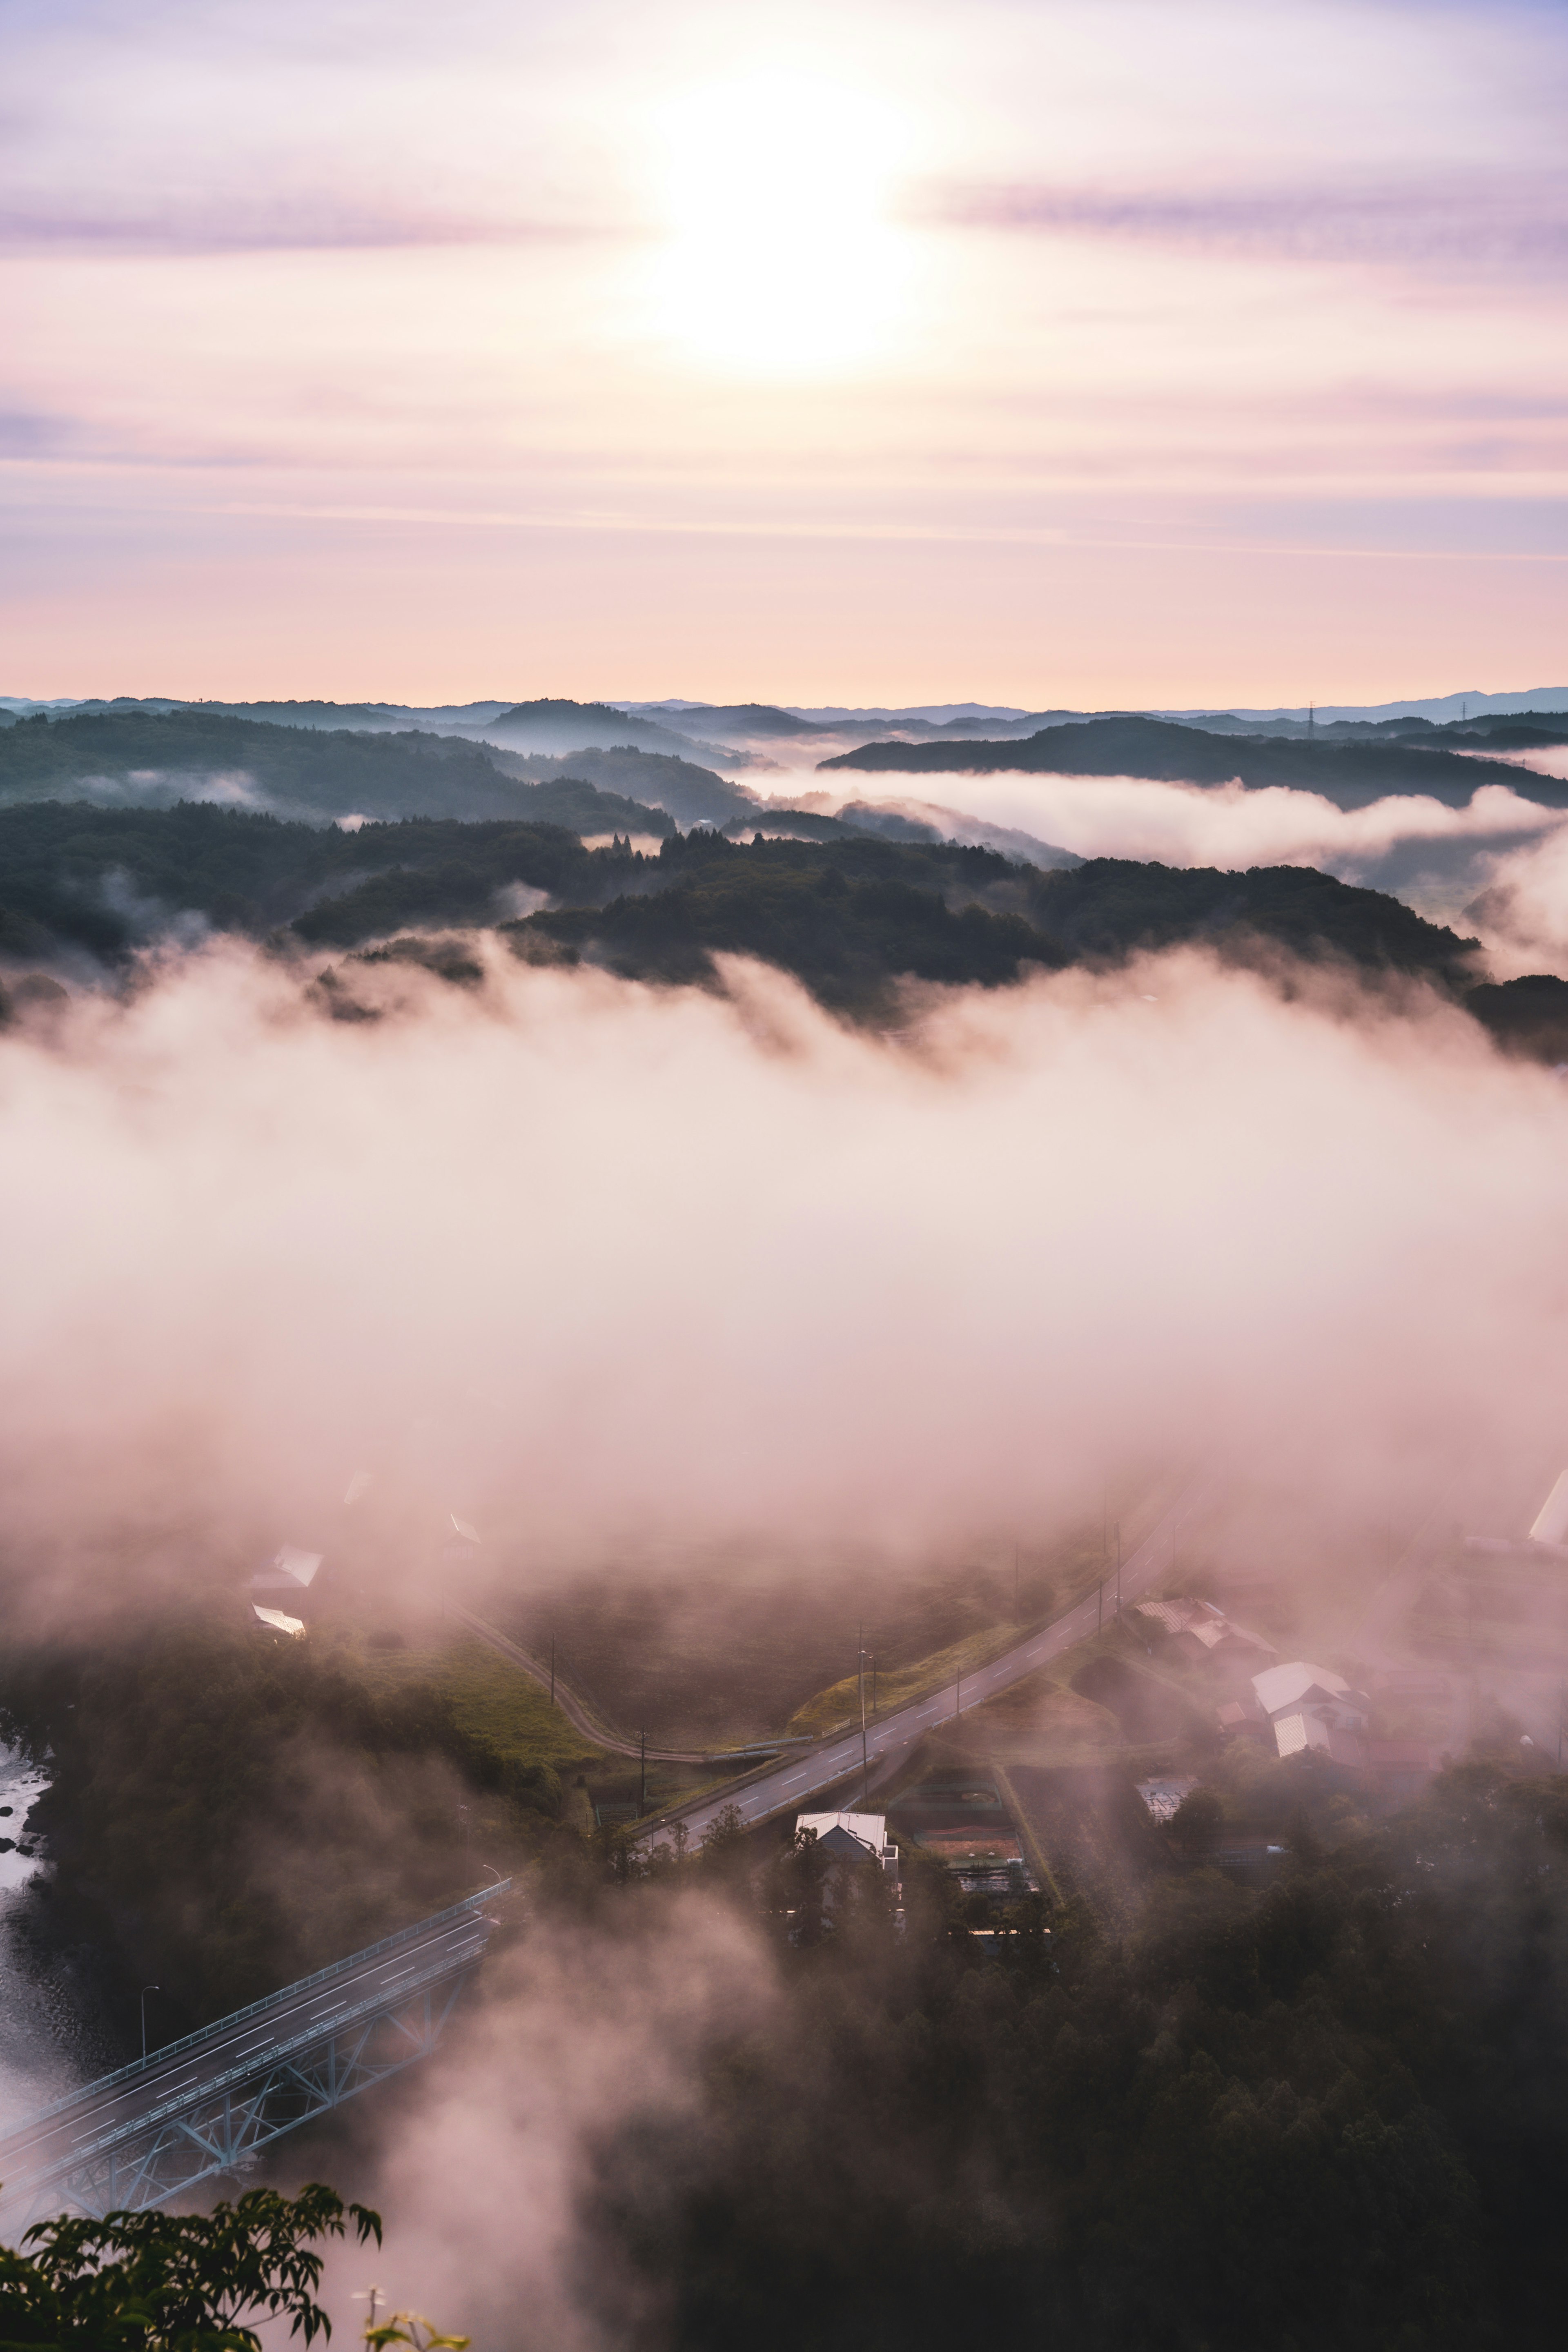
239, 2046
794, 1779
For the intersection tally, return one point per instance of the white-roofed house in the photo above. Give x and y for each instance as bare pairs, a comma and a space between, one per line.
288, 1576
1312, 1708
278, 1621
1199, 1629
852, 1837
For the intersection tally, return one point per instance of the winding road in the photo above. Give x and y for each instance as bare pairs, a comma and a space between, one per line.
794, 1780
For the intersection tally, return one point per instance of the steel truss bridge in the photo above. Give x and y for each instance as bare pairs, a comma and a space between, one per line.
210, 2102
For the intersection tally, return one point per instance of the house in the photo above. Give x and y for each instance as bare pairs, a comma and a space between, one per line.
1244, 1718
1312, 1707
276, 1620
1200, 1632
852, 1837
288, 1575
1293, 1734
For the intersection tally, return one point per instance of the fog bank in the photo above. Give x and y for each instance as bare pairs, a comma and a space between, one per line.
594, 1264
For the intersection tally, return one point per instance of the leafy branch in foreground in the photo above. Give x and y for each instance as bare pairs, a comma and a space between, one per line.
158, 2282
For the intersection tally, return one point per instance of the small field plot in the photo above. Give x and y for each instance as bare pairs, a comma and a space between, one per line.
503, 1720
1095, 1833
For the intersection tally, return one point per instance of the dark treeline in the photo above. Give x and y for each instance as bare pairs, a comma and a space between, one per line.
145, 760
227, 1812
850, 914
1335, 2110
1350, 774
103, 879
1208, 2119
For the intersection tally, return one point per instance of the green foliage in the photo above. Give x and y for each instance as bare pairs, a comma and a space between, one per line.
1196, 1822
158, 2282
502, 1724
412, 2328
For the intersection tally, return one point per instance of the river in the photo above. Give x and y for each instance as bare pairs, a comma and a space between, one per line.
50, 2038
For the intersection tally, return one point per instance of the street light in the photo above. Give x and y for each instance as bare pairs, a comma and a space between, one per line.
146, 1990
494, 1872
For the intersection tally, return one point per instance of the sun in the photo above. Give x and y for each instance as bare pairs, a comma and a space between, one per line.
780, 256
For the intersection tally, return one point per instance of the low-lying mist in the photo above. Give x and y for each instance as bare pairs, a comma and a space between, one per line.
1499, 848
610, 1270
593, 1265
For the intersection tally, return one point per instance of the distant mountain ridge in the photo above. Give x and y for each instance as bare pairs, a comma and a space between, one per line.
1348, 774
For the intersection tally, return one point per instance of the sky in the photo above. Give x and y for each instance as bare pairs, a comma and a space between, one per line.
1085, 352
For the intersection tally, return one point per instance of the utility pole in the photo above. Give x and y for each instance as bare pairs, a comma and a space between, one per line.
865, 1752
642, 1792
553, 1670
1017, 1620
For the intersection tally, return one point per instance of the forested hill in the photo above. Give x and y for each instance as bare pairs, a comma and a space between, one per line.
1350, 774
73, 876
148, 759
850, 916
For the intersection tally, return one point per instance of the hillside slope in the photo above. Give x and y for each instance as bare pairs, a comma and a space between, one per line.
1350, 774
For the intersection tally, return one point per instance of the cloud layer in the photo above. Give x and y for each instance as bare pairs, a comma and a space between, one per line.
595, 1266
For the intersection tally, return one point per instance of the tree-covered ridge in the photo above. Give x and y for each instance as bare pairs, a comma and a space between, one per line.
1350, 774
1110, 906
848, 917
138, 759
77, 875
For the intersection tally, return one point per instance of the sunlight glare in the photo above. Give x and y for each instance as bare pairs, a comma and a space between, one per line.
781, 259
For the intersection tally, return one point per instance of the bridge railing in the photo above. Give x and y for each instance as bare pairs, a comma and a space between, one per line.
244, 2070
167, 2050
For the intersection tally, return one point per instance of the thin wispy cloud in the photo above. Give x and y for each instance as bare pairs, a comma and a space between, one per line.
1453, 224
192, 227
